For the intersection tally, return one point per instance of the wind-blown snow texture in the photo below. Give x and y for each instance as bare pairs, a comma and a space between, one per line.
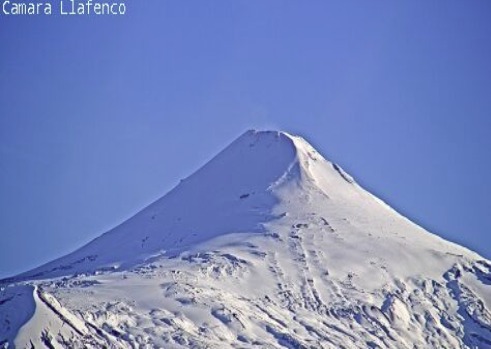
268, 245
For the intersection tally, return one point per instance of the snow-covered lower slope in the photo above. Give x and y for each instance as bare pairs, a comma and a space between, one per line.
268, 245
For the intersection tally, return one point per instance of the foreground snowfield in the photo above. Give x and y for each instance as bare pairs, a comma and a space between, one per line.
268, 245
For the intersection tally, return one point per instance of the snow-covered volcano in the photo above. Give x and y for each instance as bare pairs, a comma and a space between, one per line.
268, 245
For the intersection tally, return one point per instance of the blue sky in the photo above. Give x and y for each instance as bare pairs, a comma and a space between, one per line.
99, 116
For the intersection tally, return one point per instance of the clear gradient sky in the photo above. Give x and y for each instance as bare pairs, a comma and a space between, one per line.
99, 116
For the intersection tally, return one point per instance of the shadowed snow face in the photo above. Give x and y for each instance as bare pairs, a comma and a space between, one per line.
231, 193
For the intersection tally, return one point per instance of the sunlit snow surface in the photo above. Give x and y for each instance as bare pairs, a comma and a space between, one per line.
268, 245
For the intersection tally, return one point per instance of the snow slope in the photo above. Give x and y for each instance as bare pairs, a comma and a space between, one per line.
268, 245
